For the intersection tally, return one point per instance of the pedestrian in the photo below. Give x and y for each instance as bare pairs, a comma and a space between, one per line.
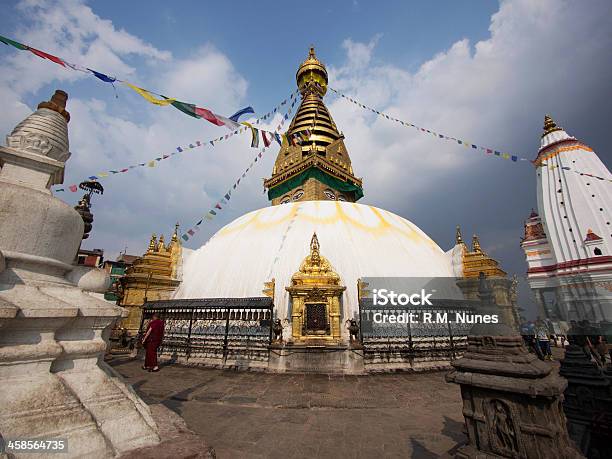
152, 340
543, 341
602, 349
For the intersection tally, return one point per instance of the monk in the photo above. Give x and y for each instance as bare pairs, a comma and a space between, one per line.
152, 340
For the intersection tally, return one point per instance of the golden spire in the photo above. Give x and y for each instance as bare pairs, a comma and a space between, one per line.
152, 243
161, 246
549, 125
312, 75
458, 237
315, 256
476, 244
175, 234
314, 143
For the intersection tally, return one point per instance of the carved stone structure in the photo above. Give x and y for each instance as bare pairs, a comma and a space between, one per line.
588, 398
511, 400
54, 383
315, 292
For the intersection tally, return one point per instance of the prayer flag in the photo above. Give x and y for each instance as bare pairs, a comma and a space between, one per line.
148, 96
103, 77
16, 44
241, 112
44, 55
266, 140
188, 109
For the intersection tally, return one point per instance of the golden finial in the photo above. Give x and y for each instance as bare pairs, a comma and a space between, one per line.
175, 234
152, 243
458, 237
550, 125
476, 244
312, 75
314, 249
161, 247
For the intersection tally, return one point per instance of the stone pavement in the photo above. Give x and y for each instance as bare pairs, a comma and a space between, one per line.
257, 415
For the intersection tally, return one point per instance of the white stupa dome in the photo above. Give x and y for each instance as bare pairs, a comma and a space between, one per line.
358, 240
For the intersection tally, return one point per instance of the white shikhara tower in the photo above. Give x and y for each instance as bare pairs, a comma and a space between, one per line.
568, 242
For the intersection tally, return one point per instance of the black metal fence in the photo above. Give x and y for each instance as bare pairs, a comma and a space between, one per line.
214, 329
409, 334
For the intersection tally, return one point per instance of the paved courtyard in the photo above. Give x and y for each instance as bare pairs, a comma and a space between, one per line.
257, 415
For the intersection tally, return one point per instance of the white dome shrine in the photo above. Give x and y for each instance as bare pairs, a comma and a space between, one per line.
270, 243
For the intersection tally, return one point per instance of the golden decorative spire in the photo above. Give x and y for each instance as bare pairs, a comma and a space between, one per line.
161, 247
315, 147
476, 244
458, 237
175, 234
152, 243
315, 256
549, 125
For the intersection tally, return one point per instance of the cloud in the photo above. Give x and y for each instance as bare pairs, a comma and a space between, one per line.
541, 57
106, 135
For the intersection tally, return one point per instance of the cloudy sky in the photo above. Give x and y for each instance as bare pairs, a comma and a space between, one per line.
479, 70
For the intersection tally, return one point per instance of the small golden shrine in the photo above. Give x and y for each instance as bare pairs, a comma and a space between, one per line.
154, 276
477, 260
315, 293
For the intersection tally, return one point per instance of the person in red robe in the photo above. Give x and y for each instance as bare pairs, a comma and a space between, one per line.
152, 340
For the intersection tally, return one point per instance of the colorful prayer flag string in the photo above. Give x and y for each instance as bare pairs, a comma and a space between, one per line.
187, 108
221, 203
212, 213
180, 149
465, 143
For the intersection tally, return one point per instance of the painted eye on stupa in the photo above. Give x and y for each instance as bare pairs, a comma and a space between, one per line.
329, 195
341, 198
286, 200
298, 195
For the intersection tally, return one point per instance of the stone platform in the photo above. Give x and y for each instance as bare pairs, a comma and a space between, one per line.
316, 358
244, 414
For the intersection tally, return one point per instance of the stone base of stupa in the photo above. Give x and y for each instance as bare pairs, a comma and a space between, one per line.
316, 358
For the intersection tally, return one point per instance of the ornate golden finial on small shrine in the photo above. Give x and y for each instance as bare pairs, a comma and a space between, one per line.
152, 243
549, 125
175, 234
458, 237
311, 53
315, 256
161, 247
476, 244
269, 289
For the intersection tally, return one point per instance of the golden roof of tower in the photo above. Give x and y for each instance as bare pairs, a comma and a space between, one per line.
312, 69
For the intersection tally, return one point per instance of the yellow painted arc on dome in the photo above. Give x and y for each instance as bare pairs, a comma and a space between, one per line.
382, 224
257, 223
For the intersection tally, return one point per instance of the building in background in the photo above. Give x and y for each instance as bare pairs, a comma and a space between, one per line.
92, 258
116, 270
475, 261
153, 276
568, 241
